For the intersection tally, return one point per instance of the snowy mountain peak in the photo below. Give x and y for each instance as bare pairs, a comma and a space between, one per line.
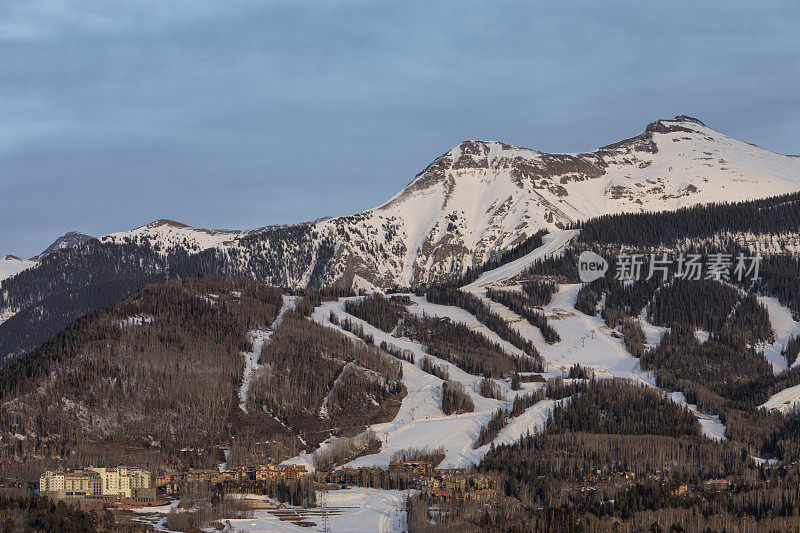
482, 197
166, 222
680, 121
71, 238
167, 233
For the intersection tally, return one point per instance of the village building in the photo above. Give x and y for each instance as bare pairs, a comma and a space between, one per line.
482, 496
344, 476
63, 484
713, 485
98, 484
127, 482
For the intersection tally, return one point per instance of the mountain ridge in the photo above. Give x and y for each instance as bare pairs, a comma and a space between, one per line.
469, 205
531, 190
673, 163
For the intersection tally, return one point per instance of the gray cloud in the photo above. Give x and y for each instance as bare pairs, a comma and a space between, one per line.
239, 114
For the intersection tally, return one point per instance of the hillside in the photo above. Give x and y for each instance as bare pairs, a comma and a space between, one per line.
189, 365
467, 207
12, 265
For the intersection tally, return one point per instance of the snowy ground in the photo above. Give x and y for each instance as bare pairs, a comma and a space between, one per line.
712, 427
258, 338
586, 340
551, 243
456, 314
785, 401
354, 510
420, 421
11, 266
531, 421
784, 327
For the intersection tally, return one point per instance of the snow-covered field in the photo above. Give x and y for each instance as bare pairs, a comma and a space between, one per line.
785, 401
11, 265
169, 233
355, 510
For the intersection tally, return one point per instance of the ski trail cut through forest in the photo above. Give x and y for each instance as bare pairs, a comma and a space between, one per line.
583, 337
260, 339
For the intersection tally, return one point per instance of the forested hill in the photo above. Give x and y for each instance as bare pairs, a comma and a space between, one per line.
38, 303
163, 370
770, 216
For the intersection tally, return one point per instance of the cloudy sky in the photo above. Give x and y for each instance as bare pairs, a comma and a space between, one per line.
239, 114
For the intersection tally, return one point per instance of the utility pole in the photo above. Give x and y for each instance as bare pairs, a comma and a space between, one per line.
326, 525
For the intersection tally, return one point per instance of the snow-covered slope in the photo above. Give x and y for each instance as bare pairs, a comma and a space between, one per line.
11, 265
71, 238
482, 197
420, 421
168, 233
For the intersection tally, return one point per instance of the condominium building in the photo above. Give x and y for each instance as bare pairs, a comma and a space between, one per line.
121, 482
60, 484
124, 481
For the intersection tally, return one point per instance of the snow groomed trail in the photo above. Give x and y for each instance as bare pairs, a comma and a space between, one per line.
551, 243
585, 340
420, 422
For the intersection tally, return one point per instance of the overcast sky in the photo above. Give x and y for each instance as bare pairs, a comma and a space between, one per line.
238, 114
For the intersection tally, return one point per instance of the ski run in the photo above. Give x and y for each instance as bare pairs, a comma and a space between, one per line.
260, 338
585, 340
